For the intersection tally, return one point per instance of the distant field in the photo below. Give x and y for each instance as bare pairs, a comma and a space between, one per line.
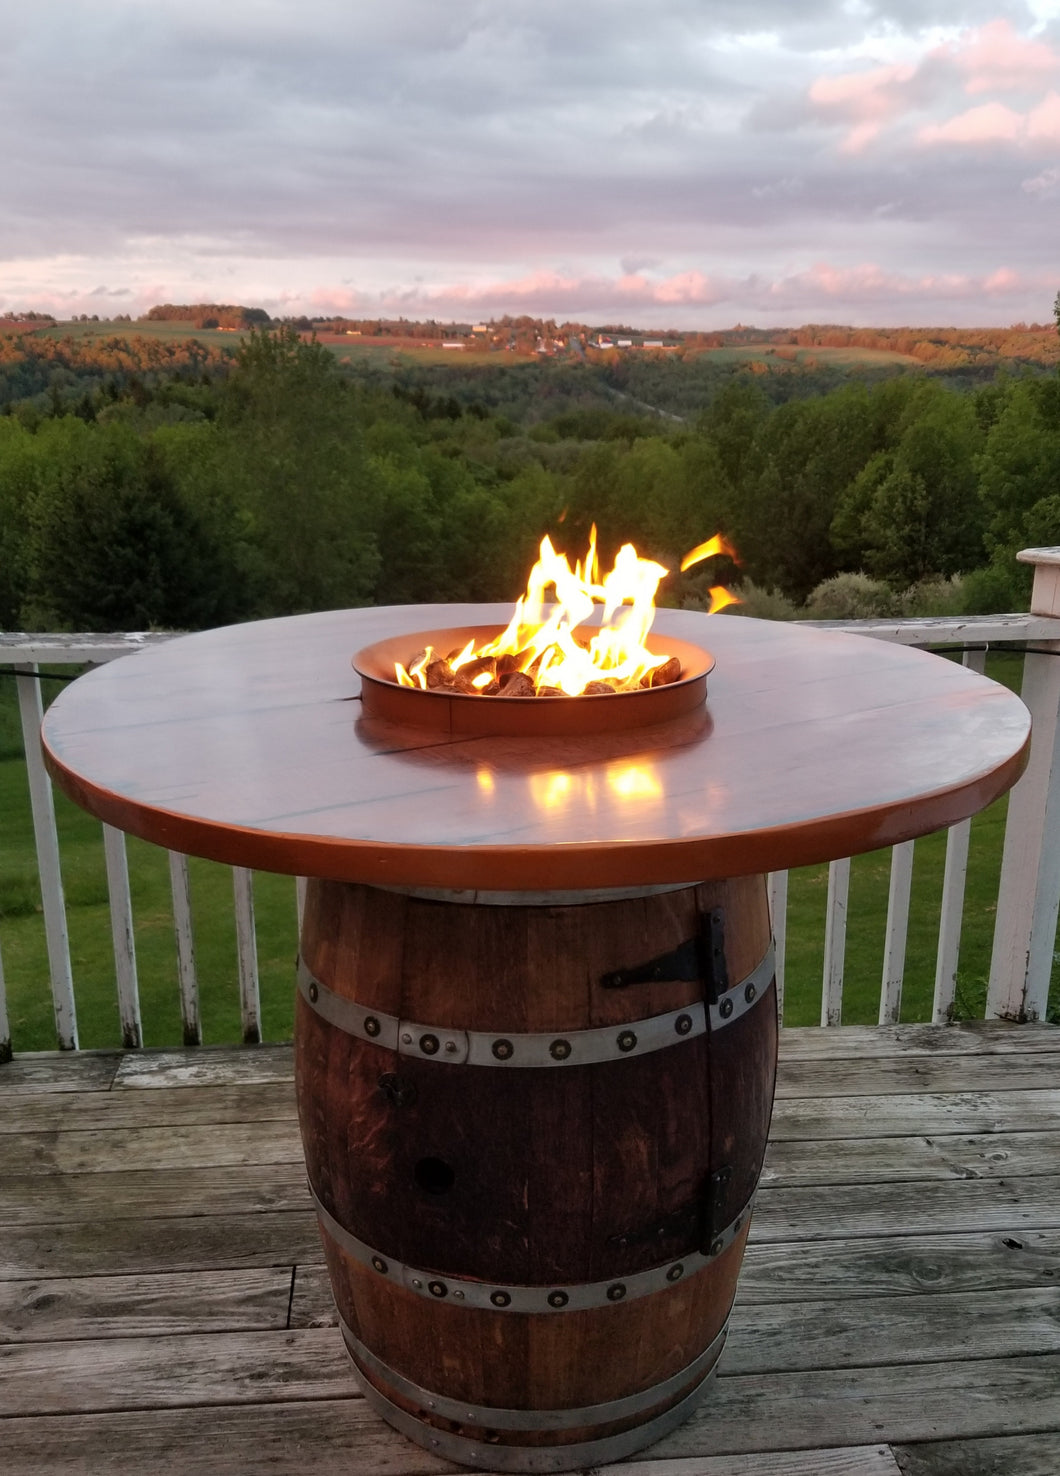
807, 357
395, 350
165, 332
398, 350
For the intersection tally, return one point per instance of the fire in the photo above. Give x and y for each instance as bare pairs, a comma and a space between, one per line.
544, 643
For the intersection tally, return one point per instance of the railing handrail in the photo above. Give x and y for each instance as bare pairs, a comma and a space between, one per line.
22, 648
1022, 953
88, 647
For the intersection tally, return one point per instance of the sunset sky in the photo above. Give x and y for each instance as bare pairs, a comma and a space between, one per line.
685, 163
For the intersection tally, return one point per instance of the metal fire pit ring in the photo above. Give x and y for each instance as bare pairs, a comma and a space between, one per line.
464, 714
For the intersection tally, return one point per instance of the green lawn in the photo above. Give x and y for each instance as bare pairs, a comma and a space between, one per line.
22, 944
25, 962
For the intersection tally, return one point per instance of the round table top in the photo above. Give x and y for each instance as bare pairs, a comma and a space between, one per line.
247, 745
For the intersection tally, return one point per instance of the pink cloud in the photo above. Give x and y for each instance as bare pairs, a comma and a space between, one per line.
992, 58
335, 300
985, 124
867, 100
560, 291
996, 123
996, 57
530, 286
1044, 121
865, 292
1003, 280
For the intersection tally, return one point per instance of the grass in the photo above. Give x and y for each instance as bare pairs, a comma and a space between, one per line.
22, 942
22, 938
165, 332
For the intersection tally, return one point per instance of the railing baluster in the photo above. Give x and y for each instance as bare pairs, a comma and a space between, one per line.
180, 887
299, 902
778, 915
1025, 932
951, 918
121, 932
897, 933
42, 804
5, 1023
835, 942
247, 950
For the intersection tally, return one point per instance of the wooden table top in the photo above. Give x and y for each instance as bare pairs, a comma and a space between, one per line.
247, 745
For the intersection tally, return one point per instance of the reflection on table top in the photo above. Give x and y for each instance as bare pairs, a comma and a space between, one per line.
247, 745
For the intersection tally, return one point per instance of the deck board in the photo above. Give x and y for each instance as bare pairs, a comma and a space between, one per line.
164, 1304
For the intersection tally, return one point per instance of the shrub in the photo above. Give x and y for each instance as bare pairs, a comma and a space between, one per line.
852, 597
762, 604
936, 595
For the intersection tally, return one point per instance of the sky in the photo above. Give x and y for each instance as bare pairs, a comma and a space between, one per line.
662, 163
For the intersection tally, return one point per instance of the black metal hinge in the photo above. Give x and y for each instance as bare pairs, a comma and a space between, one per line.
701, 957
714, 1202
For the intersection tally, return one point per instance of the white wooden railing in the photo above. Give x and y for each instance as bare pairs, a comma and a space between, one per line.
1028, 897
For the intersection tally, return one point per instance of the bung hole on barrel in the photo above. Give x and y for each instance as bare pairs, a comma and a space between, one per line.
434, 1175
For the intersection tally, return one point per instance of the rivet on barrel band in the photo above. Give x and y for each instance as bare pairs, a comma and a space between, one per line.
547, 1299
494, 1418
576, 1048
345, 1014
736, 1002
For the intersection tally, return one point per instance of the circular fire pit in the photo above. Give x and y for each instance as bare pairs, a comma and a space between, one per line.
471, 714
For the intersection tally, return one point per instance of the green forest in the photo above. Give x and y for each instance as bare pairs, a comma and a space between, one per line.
167, 483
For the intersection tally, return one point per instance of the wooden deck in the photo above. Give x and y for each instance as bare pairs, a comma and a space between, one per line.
164, 1306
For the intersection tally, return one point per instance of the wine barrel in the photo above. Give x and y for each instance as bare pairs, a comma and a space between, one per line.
533, 1133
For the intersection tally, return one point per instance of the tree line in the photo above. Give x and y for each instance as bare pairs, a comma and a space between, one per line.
290, 484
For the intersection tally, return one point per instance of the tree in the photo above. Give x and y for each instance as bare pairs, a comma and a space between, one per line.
112, 545
292, 446
914, 510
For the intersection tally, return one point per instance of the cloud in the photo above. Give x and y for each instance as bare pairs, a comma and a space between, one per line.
866, 292
996, 123
866, 100
992, 58
1043, 185
996, 57
688, 159
985, 124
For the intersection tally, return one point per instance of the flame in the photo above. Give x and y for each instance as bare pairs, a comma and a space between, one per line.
543, 640
709, 550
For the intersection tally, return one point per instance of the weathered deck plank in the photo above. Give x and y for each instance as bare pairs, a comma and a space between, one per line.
331, 1438
912, 1159
970, 1037
109, 1150
145, 1247
857, 1406
164, 1304
138, 1194
157, 1306
898, 1265
163, 1107
813, 1119
47, 1072
1020, 1455
1009, 1205
835, 1077
173, 1371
